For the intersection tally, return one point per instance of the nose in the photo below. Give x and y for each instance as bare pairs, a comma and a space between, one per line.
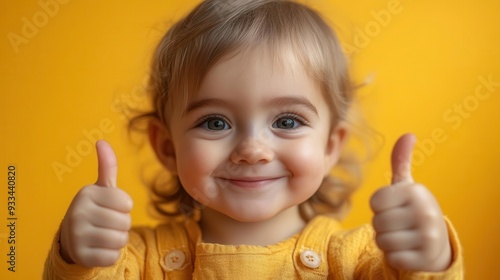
252, 151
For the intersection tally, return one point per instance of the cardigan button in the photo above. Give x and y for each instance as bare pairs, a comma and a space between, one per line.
175, 259
310, 259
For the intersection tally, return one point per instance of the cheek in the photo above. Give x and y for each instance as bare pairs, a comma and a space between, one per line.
305, 159
196, 159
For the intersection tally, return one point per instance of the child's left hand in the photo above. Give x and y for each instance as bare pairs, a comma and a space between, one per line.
409, 225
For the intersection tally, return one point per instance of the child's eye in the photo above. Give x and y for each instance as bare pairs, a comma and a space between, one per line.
214, 123
289, 121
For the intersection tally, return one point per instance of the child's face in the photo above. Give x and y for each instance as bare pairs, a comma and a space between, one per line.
254, 142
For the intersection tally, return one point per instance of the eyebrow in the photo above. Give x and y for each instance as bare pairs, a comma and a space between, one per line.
275, 102
288, 101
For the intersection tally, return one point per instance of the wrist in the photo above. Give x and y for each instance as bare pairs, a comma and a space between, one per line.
443, 262
63, 252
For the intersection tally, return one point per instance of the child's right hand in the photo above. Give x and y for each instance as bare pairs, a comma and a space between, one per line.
97, 222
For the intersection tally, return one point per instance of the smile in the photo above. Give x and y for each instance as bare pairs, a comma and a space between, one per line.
250, 183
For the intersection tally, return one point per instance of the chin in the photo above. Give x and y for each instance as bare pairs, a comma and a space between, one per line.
252, 216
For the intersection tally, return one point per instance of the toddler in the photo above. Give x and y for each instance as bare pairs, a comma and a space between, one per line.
250, 103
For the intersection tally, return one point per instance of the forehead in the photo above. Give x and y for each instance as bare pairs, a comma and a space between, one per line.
256, 74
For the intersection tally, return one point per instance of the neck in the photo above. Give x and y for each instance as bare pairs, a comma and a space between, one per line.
219, 228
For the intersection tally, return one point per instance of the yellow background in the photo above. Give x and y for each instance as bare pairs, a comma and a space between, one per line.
72, 73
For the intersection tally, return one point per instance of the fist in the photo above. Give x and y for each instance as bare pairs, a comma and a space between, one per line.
96, 224
409, 225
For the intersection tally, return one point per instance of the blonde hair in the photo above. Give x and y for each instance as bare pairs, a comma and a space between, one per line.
218, 29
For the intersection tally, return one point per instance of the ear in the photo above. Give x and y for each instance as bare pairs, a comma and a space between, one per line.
336, 140
161, 142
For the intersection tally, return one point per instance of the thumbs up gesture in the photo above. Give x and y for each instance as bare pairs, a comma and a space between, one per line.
96, 224
409, 225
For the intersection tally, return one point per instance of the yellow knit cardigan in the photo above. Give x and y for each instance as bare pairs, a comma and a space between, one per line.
175, 251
